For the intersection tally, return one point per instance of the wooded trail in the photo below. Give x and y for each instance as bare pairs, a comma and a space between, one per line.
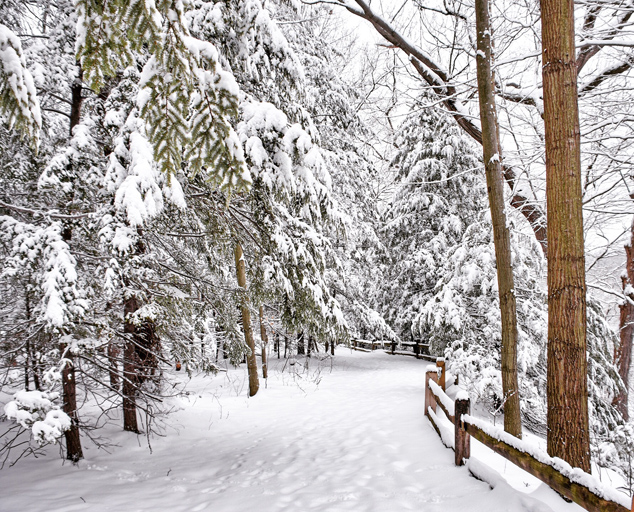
344, 434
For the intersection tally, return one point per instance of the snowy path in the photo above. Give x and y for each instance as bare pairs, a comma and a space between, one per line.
350, 438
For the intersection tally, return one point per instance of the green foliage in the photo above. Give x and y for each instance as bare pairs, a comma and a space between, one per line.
186, 99
19, 105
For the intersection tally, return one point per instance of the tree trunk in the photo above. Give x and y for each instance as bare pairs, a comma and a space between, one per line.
623, 356
76, 99
252, 365
129, 367
69, 383
501, 236
265, 341
114, 352
301, 350
332, 348
567, 388
69, 391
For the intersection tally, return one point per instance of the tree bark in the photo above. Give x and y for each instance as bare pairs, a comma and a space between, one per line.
623, 356
252, 365
69, 391
567, 389
69, 385
501, 236
114, 351
265, 341
76, 99
301, 350
129, 387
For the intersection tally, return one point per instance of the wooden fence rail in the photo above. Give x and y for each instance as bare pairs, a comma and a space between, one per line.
574, 484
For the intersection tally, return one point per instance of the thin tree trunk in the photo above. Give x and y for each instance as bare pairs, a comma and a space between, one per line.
26, 368
69, 385
567, 388
332, 348
76, 99
252, 365
501, 236
69, 390
623, 357
301, 350
114, 353
129, 387
265, 341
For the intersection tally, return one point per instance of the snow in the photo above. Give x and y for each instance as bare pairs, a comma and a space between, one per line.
344, 434
447, 402
19, 81
574, 474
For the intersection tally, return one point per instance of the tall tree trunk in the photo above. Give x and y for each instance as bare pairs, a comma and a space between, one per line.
265, 341
501, 236
129, 387
332, 348
567, 387
623, 357
69, 390
69, 385
301, 350
252, 365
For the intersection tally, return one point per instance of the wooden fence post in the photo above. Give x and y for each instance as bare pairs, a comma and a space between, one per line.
430, 399
463, 439
440, 363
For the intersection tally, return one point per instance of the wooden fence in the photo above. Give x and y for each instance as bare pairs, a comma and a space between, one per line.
574, 484
417, 349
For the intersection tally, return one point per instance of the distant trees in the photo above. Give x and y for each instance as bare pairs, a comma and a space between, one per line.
448, 40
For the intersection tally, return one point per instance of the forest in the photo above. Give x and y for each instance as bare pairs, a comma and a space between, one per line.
194, 186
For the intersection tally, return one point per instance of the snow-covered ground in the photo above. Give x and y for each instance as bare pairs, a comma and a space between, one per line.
347, 433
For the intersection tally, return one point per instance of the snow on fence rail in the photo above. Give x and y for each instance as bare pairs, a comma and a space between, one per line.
417, 349
573, 483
